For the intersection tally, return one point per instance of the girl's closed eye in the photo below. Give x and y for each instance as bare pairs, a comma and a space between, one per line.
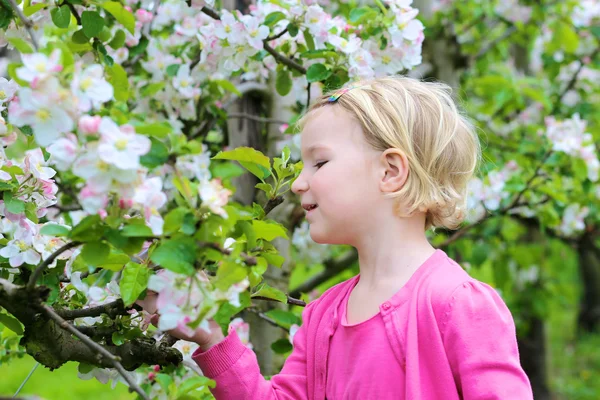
320, 164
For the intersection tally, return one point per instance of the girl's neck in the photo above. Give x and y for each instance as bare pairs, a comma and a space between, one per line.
390, 254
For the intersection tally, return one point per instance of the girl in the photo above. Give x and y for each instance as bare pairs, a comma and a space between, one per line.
385, 160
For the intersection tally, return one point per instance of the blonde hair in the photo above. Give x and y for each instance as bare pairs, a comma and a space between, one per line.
421, 120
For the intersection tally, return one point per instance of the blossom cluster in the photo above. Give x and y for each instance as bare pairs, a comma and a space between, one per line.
569, 136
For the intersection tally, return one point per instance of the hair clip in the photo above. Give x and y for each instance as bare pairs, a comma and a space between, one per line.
334, 97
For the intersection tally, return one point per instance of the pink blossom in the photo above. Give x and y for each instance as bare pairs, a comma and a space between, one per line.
89, 124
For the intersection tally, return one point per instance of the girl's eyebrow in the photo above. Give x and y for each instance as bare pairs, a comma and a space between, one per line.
314, 147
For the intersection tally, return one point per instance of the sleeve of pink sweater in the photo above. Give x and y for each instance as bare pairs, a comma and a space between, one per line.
235, 369
480, 340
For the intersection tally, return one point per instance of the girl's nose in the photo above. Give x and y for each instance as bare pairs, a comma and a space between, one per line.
300, 185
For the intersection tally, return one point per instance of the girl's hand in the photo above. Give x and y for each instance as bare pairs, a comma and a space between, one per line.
205, 339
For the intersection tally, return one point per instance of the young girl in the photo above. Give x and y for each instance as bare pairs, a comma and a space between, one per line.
385, 160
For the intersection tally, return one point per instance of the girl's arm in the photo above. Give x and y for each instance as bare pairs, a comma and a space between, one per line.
480, 340
235, 369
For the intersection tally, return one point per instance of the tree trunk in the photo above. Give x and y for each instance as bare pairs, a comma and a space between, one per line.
588, 319
532, 351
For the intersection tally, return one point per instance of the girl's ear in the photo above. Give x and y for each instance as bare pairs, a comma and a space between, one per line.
395, 170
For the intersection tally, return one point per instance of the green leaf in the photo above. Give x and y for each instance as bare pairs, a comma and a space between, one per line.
292, 29
133, 282
194, 383
117, 77
274, 259
29, 11
158, 154
31, 212
264, 290
317, 72
139, 48
225, 170
251, 159
565, 38
164, 381
229, 86
274, 18
121, 14
92, 23
310, 43
88, 228
21, 45
6, 16
265, 187
269, 230
283, 318
118, 338
156, 129
79, 37
54, 230
12, 204
173, 69
229, 273
118, 40
95, 253
115, 262
174, 220
137, 230
61, 16
596, 31
312, 54
11, 323
177, 255
151, 89
282, 346
358, 15
283, 82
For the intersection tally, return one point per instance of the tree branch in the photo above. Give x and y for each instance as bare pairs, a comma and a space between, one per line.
247, 259
332, 268
272, 203
279, 57
255, 118
102, 352
26, 21
73, 11
290, 300
112, 309
40, 268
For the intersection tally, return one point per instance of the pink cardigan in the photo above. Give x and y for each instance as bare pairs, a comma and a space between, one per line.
453, 335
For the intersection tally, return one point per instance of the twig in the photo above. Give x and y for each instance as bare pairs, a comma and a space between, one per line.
255, 118
279, 57
494, 42
112, 309
572, 81
280, 34
272, 203
37, 364
247, 258
266, 318
26, 21
308, 96
148, 28
73, 11
65, 279
332, 268
283, 59
40, 268
290, 300
95, 346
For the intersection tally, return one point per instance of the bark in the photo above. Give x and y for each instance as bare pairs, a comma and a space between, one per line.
532, 351
588, 319
53, 346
